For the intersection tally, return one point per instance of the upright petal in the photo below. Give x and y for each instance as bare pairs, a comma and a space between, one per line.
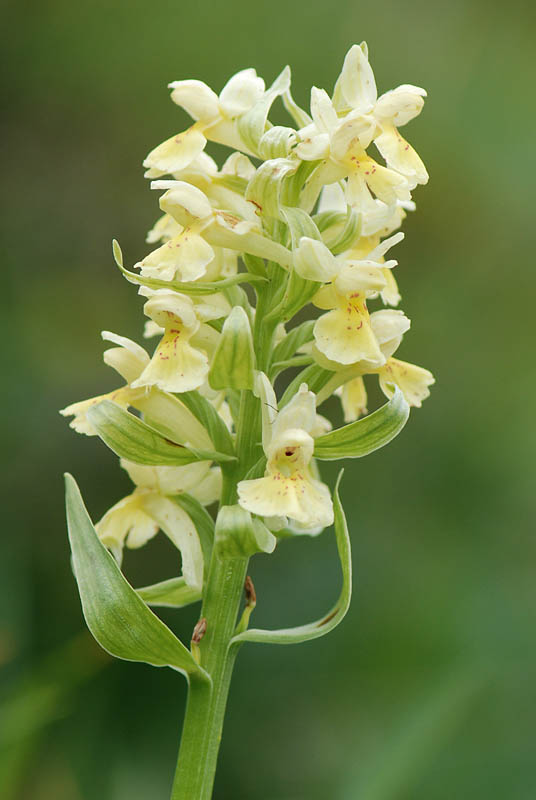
356, 86
241, 92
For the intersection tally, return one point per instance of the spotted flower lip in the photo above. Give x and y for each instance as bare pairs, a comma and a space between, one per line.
176, 366
288, 488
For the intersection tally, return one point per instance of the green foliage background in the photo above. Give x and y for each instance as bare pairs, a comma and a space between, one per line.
426, 691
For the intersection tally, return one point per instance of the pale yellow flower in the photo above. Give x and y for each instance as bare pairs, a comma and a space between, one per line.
136, 519
129, 360
355, 93
176, 366
288, 488
411, 379
189, 206
216, 119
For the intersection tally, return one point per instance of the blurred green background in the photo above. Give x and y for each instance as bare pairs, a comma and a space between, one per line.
426, 691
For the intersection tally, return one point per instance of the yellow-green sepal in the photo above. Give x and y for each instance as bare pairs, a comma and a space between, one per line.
233, 363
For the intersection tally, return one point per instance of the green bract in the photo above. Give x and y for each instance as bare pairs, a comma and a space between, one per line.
115, 614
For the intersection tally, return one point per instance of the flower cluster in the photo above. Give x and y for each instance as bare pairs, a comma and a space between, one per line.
297, 216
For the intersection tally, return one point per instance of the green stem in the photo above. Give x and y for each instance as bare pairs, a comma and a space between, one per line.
203, 724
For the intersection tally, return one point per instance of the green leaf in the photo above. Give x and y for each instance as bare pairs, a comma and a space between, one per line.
210, 420
254, 265
365, 435
314, 630
185, 287
293, 340
290, 363
131, 438
173, 593
233, 362
170, 417
115, 614
314, 376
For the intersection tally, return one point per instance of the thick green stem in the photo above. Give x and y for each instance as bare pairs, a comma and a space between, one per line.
203, 724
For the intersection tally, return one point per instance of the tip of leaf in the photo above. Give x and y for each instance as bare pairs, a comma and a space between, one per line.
118, 254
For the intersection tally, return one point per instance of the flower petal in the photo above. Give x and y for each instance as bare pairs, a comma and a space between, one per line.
303, 499
401, 156
411, 379
129, 359
177, 152
356, 86
187, 253
400, 105
196, 98
241, 92
345, 335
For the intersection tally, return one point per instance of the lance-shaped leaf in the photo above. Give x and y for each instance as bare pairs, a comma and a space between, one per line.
234, 360
207, 415
365, 435
173, 593
314, 376
314, 630
115, 614
131, 438
185, 287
